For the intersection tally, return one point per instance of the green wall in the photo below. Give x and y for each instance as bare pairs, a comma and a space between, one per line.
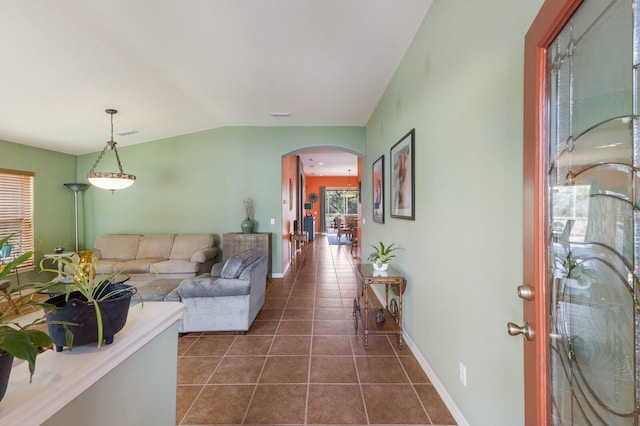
53, 202
196, 182
460, 86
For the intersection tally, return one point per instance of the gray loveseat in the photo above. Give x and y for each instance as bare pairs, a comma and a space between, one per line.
226, 299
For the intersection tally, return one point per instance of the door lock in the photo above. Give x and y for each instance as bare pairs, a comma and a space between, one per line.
514, 329
525, 292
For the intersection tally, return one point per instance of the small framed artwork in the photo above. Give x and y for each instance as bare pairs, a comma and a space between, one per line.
403, 177
378, 190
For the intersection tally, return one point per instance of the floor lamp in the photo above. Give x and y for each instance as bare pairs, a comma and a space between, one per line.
76, 187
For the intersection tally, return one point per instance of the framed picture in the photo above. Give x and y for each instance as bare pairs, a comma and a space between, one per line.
378, 190
403, 177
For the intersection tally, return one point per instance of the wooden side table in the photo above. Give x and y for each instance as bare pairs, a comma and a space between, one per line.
301, 240
393, 318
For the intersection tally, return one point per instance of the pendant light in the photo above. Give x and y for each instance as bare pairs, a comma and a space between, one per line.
110, 180
349, 192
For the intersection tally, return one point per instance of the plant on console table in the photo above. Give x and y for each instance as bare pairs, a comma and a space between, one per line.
19, 340
247, 224
87, 308
381, 255
575, 272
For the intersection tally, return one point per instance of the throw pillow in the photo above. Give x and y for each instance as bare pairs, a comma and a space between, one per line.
234, 266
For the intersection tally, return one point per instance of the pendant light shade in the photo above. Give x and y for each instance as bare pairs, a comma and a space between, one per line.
110, 180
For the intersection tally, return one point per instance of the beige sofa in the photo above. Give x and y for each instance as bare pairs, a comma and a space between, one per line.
148, 257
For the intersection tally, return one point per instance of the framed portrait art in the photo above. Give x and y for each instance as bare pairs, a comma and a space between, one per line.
403, 177
378, 190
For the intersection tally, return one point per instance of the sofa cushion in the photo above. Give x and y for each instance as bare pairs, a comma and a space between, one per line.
117, 247
156, 290
154, 247
105, 266
137, 266
234, 266
175, 267
184, 246
216, 270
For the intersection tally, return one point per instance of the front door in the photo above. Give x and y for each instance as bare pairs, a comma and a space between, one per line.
582, 214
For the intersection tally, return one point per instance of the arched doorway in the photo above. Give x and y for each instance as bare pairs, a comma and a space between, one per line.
307, 172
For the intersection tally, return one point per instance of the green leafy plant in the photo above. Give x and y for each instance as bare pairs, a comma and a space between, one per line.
575, 268
382, 254
23, 341
92, 288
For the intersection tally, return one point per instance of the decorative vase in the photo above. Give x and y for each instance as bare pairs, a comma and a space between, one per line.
6, 363
247, 226
82, 315
85, 269
382, 267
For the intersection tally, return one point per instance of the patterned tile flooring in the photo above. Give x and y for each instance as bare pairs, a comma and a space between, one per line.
302, 361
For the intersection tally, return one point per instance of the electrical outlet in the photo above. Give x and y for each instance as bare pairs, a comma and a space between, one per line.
462, 374
273, 221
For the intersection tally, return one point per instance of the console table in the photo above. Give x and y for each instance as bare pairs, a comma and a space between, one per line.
298, 240
393, 317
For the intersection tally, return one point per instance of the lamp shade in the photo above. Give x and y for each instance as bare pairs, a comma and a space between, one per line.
308, 206
111, 181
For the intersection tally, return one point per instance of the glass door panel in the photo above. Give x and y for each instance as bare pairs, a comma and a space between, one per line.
593, 218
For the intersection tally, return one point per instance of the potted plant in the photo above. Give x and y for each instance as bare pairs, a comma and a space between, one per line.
381, 255
87, 308
18, 340
575, 272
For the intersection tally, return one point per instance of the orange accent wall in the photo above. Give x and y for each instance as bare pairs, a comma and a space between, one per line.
313, 184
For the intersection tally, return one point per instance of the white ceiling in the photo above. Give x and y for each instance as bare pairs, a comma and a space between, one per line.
173, 67
327, 162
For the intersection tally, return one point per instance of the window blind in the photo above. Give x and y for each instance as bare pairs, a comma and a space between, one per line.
16, 212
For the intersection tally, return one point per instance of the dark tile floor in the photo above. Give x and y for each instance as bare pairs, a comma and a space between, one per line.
302, 361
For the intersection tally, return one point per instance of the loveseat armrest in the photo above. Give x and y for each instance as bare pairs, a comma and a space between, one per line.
213, 287
204, 255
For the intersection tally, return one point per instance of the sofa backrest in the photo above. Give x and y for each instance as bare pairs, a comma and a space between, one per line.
117, 246
155, 247
185, 245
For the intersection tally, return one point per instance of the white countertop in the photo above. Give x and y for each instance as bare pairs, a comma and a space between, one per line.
61, 376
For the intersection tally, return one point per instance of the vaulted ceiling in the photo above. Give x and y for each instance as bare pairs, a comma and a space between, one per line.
175, 67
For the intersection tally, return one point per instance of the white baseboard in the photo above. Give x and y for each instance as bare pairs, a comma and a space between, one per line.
433, 378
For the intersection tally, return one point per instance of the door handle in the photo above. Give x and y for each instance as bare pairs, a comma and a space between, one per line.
514, 330
525, 292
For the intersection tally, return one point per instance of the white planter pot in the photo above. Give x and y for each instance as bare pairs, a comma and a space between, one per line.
573, 283
380, 268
